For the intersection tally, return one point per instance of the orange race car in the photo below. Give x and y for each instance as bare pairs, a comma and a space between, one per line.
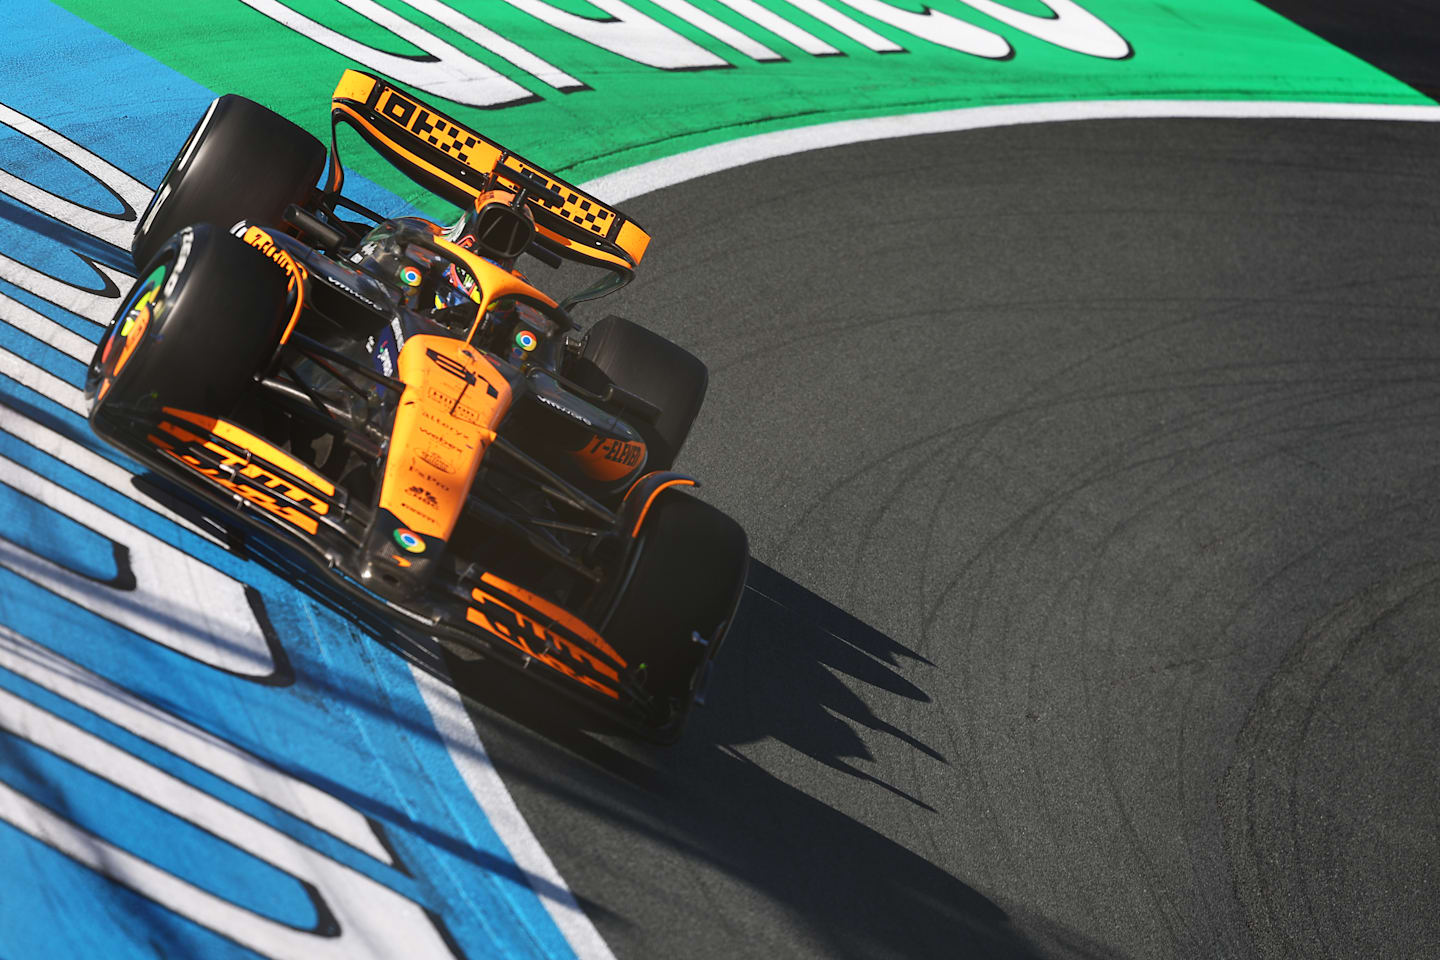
395, 400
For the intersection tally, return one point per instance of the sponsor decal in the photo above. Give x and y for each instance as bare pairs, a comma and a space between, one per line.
383, 351
410, 541
454, 367
539, 642
525, 340
409, 276
437, 460
619, 451
423, 495
233, 466
573, 414
437, 131
608, 458
353, 293
263, 242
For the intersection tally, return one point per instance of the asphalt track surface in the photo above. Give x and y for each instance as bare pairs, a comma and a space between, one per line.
1091, 475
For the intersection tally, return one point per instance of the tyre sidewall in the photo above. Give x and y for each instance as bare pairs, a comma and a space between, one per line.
213, 323
687, 577
241, 162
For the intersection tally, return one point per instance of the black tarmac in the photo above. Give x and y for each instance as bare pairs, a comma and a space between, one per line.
1091, 477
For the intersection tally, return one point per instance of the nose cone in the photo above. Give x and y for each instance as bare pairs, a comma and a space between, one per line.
398, 563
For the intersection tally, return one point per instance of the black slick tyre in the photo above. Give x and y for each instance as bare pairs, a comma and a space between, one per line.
241, 162
645, 364
687, 579
205, 315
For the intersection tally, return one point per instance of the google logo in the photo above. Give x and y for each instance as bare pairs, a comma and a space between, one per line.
409, 541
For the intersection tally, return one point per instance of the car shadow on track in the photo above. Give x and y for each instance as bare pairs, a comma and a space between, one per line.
783, 632
701, 815
669, 849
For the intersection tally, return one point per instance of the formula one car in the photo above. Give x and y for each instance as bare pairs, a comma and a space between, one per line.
396, 401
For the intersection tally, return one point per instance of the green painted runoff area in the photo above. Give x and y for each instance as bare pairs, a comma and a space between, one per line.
628, 112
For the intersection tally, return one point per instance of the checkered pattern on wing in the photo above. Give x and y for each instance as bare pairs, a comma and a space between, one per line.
445, 136
571, 206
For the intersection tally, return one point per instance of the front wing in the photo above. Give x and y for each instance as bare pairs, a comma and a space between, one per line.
270, 492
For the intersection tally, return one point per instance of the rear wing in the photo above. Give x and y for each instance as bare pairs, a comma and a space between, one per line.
457, 164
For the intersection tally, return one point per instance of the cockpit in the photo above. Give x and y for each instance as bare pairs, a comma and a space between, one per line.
470, 296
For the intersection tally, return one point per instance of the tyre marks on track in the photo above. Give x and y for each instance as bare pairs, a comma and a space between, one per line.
1095, 422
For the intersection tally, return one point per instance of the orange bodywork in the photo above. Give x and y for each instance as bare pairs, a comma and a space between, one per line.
650, 499
261, 241
541, 641
280, 497
590, 252
582, 214
453, 401
556, 614
494, 282
248, 441
608, 459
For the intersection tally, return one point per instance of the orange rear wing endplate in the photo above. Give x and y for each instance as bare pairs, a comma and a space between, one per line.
456, 163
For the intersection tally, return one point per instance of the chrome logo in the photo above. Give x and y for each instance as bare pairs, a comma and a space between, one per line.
526, 340
410, 276
409, 541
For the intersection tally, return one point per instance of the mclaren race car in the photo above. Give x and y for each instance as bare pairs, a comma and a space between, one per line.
395, 402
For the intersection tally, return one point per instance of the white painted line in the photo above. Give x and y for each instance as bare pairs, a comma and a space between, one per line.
458, 733
175, 600
87, 461
42, 328
645, 178
43, 382
113, 228
25, 658
372, 921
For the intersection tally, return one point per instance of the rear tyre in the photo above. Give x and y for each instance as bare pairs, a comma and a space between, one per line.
687, 578
241, 162
204, 317
652, 368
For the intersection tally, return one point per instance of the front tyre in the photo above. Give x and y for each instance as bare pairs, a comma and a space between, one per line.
204, 317
687, 579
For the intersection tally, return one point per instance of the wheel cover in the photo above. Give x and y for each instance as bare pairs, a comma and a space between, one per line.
125, 334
